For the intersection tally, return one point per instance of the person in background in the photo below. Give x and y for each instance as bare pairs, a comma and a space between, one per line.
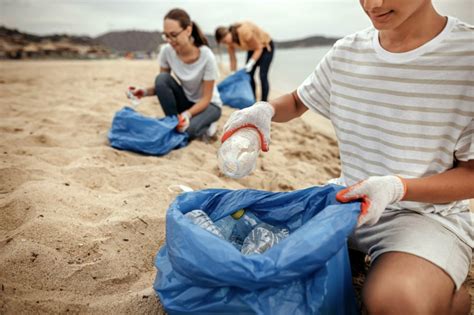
194, 96
259, 46
400, 98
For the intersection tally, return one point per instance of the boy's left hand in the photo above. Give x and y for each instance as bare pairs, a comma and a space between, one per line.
376, 192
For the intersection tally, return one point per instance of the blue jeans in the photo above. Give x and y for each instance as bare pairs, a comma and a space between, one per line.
173, 101
264, 63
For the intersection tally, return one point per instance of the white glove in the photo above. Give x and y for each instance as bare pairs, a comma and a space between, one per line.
249, 65
376, 192
184, 120
259, 116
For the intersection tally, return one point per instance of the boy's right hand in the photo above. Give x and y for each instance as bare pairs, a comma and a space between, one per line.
259, 116
136, 92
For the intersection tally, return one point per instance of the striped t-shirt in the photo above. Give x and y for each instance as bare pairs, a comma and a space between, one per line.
410, 114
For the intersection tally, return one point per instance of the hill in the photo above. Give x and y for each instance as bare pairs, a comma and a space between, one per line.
17, 44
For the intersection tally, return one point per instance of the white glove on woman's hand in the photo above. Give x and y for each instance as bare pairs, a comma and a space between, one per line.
259, 116
184, 119
249, 65
376, 192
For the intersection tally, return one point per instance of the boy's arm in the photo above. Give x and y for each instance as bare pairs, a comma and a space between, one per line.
377, 192
454, 184
288, 107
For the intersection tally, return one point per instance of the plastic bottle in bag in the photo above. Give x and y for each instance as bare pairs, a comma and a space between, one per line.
237, 226
201, 218
261, 238
237, 156
246, 221
227, 224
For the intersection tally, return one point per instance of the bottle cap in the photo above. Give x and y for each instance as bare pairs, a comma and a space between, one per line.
238, 214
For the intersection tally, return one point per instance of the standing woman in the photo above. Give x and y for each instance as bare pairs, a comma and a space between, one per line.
258, 44
194, 98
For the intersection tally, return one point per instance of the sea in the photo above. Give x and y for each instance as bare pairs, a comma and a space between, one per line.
289, 67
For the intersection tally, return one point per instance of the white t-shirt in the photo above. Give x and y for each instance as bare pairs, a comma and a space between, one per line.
410, 114
192, 75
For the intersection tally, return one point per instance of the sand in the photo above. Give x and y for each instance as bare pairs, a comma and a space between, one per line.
80, 222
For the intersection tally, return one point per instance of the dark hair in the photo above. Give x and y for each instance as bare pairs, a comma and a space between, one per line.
184, 21
222, 31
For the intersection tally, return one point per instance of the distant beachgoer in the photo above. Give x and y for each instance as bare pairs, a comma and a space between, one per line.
259, 46
194, 98
400, 97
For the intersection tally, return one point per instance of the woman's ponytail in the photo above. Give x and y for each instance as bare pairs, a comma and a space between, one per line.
197, 34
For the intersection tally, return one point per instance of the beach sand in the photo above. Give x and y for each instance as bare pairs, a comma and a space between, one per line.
80, 222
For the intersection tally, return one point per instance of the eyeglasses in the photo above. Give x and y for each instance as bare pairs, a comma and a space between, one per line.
171, 36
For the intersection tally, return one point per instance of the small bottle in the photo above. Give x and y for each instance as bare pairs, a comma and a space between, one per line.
227, 224
237, 156
261, 238
246, 222
237, 226
133, 99
201, 218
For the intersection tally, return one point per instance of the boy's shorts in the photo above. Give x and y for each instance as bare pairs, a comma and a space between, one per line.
414, 233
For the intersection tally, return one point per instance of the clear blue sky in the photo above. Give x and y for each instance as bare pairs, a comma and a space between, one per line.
287, 19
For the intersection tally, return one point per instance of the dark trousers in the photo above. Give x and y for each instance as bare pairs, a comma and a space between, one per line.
173, 101
264, 63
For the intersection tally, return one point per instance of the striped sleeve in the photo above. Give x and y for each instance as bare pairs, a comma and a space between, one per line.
464, 150
315, 91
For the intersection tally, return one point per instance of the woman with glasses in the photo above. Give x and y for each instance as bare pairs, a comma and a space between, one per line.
194, 97
259, 46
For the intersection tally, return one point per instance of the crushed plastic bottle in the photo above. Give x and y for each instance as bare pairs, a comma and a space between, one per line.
133, 98
261, 238
237, 156
201, 219
228, 223
246, 222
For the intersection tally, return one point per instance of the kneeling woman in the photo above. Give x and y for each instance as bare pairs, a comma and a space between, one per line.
195, 98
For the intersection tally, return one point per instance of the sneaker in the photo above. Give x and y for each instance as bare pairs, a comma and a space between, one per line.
212, 130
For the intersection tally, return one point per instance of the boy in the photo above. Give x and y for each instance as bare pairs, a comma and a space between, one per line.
401, 100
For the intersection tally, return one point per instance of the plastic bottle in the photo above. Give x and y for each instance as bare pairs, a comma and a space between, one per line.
134, 100
227, 224
237, 156
201, 218
237, 226
246, 221
261, 238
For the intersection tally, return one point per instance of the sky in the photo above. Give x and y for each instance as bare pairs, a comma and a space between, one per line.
283, 19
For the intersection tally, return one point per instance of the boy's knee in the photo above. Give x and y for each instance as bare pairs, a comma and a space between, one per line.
163, 79
400, 295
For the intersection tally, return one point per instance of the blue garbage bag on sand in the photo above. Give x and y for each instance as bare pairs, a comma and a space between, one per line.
306, 273
134, 132
236, 91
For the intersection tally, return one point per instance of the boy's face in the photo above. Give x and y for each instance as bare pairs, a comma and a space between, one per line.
390, 14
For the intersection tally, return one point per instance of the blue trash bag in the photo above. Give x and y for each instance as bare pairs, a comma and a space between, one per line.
134, 132
306, 273
236, 91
